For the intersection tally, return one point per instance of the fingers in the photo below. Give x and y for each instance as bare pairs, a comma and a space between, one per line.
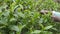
43, 11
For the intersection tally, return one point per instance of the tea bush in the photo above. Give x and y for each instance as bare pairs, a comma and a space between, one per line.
23, 17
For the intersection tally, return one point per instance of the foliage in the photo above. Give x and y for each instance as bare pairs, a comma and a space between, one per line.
23, 17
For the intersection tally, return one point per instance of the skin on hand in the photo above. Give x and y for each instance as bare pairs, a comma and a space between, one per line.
44, 11
55, 18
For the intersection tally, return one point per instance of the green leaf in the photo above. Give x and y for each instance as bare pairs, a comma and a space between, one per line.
4, 21
36, 32
14, 28
13, 19
46, 32
48, 27
21, 14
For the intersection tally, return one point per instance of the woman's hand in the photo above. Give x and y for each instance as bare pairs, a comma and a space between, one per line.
55, 15
55, 18
44, 11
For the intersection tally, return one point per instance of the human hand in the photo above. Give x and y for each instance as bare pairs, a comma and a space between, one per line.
44, 11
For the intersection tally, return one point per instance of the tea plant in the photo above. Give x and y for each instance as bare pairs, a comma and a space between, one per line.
23, 17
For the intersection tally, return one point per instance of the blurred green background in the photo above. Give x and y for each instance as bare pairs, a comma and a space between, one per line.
23, 17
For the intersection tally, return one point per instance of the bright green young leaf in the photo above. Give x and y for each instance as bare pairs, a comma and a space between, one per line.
48, 27
36, 32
